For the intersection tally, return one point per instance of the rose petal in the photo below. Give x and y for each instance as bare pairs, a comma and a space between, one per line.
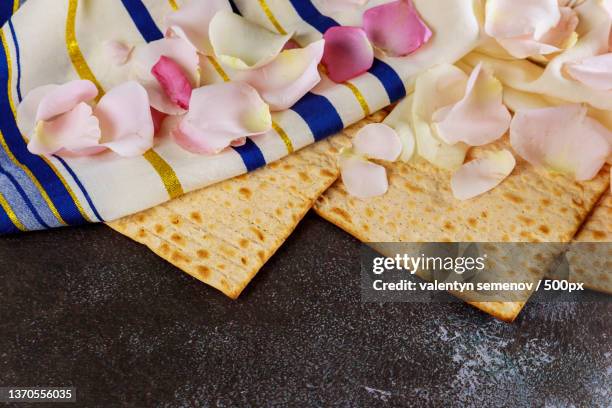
118, 52
64, 98
219, 114
436, 88
125, 120
594, 72
481, 175
238, 142
28, 108
528, 28
480, 117
348, 53
516, 18
158, 119
399, 119
173, 81
288, 77
72, 131
362, 178
242, 44
192, 20
396, 28
562, 139
378, 141
146, 56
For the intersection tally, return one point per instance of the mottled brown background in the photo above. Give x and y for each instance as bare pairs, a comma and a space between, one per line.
89, 308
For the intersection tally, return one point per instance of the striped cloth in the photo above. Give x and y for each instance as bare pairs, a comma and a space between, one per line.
54, 41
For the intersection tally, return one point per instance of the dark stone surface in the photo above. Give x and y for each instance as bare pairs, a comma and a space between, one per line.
89, 308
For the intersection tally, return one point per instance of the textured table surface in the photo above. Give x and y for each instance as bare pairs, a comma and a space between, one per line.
89, 308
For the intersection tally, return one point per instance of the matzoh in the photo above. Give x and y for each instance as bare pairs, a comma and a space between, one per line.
531, 205
223, 234
590, 255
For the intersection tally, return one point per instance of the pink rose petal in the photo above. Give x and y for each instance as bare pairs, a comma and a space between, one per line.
594, 72
348, 53
480, 117
396, 28
238, 142
72, 131
158, 119
64, 98
363, 179
378, 141
146, 56
219, 114
562, 139
481, 175
173, 81
191, 22
125, 120
288, 77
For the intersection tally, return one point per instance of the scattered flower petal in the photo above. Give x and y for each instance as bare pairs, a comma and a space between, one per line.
348, 53
363, 178
480, 117
146, 56
158, 119
481, 175
288, 77
241, 44
378, 141
562, 139
125, 120
72, 131
396, 28
219, 114
173, 81
531, 28
118, 52
238, 142
63, 98
594, 72
191, 22
399, 119
441, 86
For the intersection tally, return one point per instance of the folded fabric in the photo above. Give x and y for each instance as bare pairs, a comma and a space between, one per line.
50, 41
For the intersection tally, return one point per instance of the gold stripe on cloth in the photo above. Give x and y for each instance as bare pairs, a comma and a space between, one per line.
74, 50
266, 9
11, 214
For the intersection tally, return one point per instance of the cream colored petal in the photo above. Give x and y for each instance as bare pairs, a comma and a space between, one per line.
481, 175
562, 139
192, 20
480, 117
438, 87
241, 44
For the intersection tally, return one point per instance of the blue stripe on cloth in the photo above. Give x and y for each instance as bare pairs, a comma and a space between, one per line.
21, 193
18, 58
320, 115
143, 20
82, 187
6, 225
46, 176
235, 8
6, 11
250, 153
390, 80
